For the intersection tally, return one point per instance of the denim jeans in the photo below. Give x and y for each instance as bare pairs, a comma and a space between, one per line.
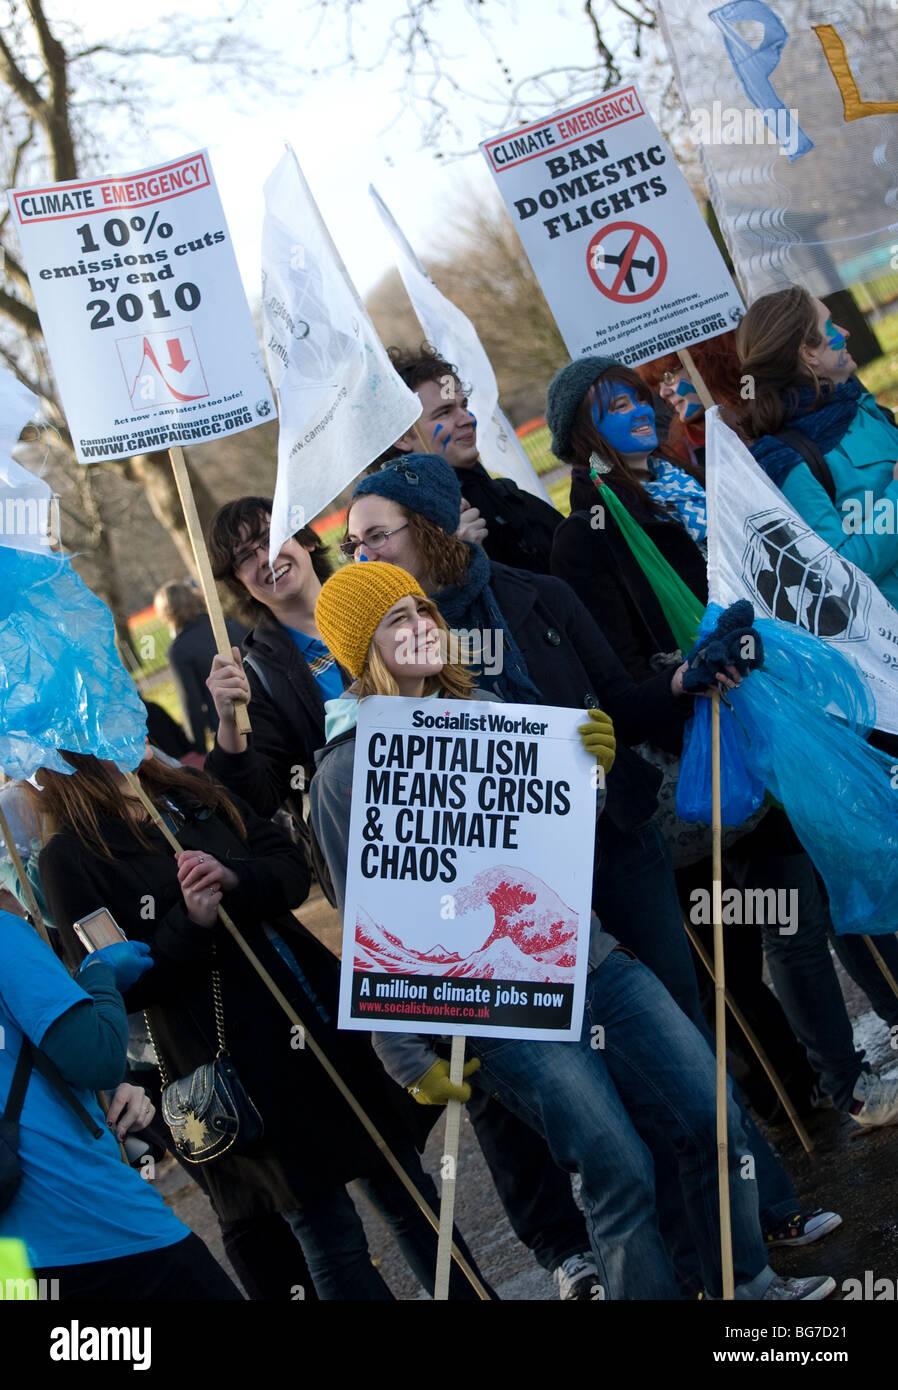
804, 976
857, 960
637, 902
333, 1238
596, 1106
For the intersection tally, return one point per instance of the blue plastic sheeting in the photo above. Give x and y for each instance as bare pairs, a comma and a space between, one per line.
797, 728
62, 685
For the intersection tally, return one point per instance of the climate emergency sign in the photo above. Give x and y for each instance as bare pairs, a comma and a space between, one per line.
142, 309
615, 238
469, 876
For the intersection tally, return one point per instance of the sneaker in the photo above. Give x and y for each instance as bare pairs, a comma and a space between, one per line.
799, 1290
803, 1228
875, 1100
578, 1279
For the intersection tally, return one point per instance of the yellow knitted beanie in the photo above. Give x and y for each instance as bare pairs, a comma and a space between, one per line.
352, 603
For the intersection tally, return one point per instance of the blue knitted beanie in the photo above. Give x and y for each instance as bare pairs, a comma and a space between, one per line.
420, 482
566, 390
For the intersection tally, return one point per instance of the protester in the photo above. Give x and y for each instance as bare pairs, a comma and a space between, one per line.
513, 526
270, 767
549, 651
717, 362
593, 409
190, 655
86, 1218
654, 1065
286, 670
106, 852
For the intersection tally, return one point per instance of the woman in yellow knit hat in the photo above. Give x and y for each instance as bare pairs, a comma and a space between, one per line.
378, 622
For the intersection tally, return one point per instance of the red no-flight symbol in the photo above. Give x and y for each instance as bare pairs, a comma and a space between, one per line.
626, 262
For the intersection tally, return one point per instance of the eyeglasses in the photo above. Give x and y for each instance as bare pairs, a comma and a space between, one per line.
670, 378
247, 555
375, 540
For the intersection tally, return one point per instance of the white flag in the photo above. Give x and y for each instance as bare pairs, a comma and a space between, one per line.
27, 509
341, 402
760, 549
455, 337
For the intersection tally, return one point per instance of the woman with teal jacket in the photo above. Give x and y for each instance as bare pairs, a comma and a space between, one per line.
819, 434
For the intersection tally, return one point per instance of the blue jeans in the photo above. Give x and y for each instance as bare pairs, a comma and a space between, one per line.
333, 1238
597, 1105
854, 953
804, 976
636, 900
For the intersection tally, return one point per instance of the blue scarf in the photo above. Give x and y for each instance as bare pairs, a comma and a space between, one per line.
472, 604
825, 424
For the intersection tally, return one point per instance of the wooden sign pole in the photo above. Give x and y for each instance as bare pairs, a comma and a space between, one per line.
449, 1170
204, 570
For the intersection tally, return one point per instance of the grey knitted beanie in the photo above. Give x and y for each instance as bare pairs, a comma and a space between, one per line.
566, 390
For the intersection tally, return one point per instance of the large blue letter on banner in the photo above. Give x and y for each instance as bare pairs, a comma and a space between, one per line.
753, 66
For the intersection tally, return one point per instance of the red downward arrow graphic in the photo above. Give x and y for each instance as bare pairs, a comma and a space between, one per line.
176, 359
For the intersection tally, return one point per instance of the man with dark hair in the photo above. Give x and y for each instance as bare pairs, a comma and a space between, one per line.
519, 526
285, 670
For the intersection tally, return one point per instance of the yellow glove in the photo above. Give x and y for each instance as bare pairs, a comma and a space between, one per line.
435, 1088
598, 739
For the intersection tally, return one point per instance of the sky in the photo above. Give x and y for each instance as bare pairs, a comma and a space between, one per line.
347, 129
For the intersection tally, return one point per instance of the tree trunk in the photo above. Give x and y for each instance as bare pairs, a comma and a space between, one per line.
101, 574
154, 473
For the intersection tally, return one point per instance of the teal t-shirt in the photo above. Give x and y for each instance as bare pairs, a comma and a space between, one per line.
78, 1202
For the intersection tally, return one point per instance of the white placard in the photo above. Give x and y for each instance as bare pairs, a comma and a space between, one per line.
615, 238
142, 308
469, 878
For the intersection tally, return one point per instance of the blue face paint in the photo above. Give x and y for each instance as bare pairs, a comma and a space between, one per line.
616, 427
445, 441
686, 388
834, 338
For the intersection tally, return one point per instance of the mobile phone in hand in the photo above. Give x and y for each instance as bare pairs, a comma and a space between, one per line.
98, 929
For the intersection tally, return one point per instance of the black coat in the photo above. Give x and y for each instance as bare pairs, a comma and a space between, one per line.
312, 1142
190, 658
600, 567
520, 525
287, 720
572, 663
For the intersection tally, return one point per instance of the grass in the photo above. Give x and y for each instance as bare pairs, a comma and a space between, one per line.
881, 376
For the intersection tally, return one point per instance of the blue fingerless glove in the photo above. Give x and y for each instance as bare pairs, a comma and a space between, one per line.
127, 960
733, 642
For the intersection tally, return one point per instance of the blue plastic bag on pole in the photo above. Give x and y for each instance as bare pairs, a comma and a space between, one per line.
62, 684
802, 721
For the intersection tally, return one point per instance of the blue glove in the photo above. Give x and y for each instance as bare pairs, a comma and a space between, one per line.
733, 642
127, 960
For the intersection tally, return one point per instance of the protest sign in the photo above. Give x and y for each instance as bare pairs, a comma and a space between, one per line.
793, 119
759, 548
341, 401
454, 336
470, 870
615, 237
142, 308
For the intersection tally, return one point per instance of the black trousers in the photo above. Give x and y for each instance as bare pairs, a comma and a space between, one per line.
183, 1271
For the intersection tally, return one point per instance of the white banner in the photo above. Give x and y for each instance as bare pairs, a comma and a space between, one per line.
454, 336
29, 513
142, 308
616, 239
796, 118
760, 549
469, 879
341, 402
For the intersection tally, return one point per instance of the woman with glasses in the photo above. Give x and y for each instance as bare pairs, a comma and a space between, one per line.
285, 670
